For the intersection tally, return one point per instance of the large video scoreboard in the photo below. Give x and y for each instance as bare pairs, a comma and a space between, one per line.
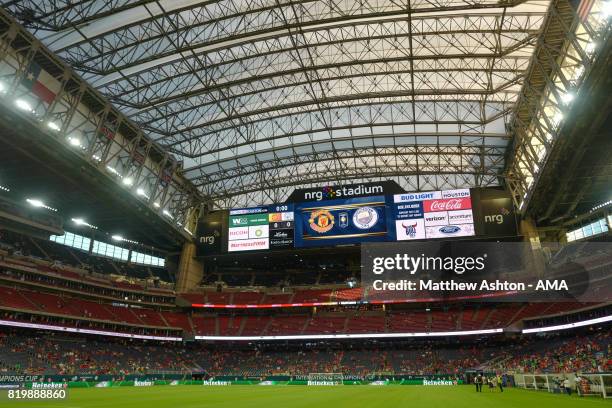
351, 216
435, 214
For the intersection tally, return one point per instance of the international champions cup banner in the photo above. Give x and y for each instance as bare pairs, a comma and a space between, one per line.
340, 222
434, 214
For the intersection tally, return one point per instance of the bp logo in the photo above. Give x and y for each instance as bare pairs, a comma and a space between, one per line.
365, 218
321, 221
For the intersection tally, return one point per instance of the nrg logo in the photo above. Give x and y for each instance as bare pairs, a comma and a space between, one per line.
209, 239
497, 218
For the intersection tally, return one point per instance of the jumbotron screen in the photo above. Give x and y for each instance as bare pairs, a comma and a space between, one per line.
337, 222
399, 217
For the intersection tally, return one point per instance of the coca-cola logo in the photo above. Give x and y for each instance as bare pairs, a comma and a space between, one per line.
451, 204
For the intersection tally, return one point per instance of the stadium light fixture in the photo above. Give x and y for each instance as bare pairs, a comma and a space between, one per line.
23, 105
53, 126
590, 48
602, 205
121, 239
606, 9
2, 188
39, 204
35, 203
74, 141
96, 158
112, 170
80, 221
156, 204
167, 214
142, 193
128, 181
2, 87
567, 98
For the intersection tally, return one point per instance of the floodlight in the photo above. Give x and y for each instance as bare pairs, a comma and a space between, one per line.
23, 105
567, 98
54, 126
74, 141
35, 202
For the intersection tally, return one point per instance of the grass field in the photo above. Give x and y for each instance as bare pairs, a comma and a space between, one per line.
321, 397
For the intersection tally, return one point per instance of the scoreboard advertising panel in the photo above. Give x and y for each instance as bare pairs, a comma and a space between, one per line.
387, 217
258, 228
434, 214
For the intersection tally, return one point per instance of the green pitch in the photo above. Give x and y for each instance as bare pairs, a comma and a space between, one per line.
192, 396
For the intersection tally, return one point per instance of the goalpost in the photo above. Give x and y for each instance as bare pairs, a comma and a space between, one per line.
541, 382
585, 384
595, 384
325, 379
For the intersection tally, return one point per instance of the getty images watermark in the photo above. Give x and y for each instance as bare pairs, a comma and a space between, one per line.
465, 270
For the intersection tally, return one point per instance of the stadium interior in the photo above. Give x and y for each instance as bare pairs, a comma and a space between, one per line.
197, 192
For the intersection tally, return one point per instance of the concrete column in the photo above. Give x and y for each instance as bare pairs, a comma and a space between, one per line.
535, 258
190, 269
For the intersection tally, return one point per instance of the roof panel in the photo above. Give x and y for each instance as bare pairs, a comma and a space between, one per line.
307, 92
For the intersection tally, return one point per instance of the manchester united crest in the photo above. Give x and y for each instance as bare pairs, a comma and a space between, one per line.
321, 221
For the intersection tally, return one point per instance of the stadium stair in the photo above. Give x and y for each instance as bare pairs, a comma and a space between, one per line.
307, 323
242, 324
164, 320
39, 248
487, 318
191, 327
